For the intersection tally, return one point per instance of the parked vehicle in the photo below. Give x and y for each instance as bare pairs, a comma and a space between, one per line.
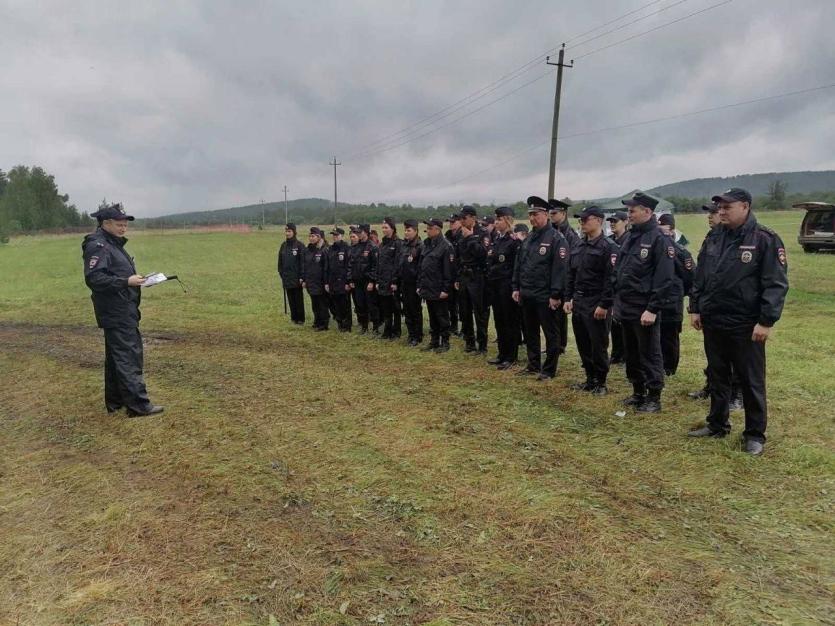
817, 231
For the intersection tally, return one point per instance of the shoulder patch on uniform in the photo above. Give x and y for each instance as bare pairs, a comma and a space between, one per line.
781, 255
563, 252
688, 263
644, 253
671, 252
94, 260
614, 258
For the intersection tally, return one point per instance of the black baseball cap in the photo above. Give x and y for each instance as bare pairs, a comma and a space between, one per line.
535, 204
337, 231
454, 218
557, 205
618, 216
710, 208
504, 211
488, 220
468, 210
290, 226
734, 194
667, 219
434, 221
112, 212
316, 231
590, 211
521, 228
410, 224
641, 199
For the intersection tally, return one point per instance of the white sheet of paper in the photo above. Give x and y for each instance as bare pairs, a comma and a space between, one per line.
154, 279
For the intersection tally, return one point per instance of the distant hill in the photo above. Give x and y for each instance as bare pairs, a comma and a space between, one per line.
757, 184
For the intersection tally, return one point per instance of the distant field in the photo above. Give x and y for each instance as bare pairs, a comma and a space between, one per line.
320, 478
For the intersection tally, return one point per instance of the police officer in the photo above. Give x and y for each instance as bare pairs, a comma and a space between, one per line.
643, 276
290, 268
435, 283
110, 273
558, 213
315, 278
520, 232
539, 282
589, 297
472, 268
409, 269
501, 257
387, 277
617, 222
337, 285
361, 280
738, 295
489, 226
453, 236
673, 311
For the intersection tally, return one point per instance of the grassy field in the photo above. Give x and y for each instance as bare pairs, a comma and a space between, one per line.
320, 478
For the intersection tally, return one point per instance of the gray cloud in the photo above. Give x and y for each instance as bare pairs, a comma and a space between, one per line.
184, 106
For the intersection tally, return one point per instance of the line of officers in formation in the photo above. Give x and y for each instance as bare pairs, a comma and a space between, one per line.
629, 285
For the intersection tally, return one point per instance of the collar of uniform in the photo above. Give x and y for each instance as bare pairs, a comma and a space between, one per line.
595, 241
119, 241
650, 224
388, 240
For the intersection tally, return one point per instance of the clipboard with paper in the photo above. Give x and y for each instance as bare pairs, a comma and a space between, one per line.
155, 278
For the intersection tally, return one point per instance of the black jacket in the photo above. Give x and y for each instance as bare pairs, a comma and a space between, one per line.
410, 261
315, 269
570, 234
741, 278
436, 269
501, 257
472, 254
107, 267
388, 264
454, 238
644, 272
338, 259
541, 267
363, 257
683, 272
291, 262
591, 273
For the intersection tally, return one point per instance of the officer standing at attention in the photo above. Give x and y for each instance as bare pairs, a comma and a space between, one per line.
472, 268
361, 279
387, 277
558, 213
337, 284
453, 236
291, 268
673, 311
738, 295
589, 296
501, 257
539, 282
409, 269
435, 284
315, 277
644, 274
110, 273
617, 222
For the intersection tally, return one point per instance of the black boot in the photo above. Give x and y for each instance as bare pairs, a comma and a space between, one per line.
637, 398
444, 347
652, 404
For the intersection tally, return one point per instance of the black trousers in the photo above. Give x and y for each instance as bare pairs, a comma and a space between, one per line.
617, 342
124, 385
413, 311
670, 343
452, 305
536, 315
439, 324
472, 309
321, 315
644, 363
295, 300
507, 319
341, 308
733, 352
365, 304
592, 337
562, 324
390, 314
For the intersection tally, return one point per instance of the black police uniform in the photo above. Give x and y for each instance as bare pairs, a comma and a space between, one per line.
540, 273
412, 306
591, 285
363, 256
388, 278
673, 311
617, 331
644, 273
436, 277
291, 257
472, 308
573, 240
741, 281
501, 258
315, 277
337, 279
453, 237
107, 267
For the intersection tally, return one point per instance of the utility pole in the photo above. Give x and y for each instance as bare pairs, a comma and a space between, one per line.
552, 172
334, 163
285, 205
263, 223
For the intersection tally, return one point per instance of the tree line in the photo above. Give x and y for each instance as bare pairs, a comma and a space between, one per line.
30, 201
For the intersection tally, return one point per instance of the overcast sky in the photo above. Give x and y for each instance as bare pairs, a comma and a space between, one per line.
175, 106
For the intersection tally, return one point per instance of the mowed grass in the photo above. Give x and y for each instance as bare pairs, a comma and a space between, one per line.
321, 478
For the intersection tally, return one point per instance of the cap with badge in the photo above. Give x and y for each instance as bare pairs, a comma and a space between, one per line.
536, 204
504, 211
488, 220
667, 219
410, 223
468, 210
337, 231
390, 221
112, 212
521, 228
291, 226
641, 199
618, 216
557, 205
734, 194
316, 231
365, 228
590, 211
434, 221
455, 217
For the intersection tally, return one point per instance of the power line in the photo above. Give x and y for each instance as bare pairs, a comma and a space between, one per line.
641, 123
493, 86
628, 24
